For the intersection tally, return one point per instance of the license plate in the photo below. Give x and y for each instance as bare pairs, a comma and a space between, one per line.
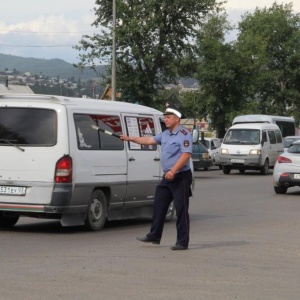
296, 176
12, 190
238, 161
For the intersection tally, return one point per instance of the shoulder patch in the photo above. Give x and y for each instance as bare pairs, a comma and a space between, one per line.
186, 144
183, 131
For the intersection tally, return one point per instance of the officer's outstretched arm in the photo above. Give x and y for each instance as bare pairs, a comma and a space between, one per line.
142, 140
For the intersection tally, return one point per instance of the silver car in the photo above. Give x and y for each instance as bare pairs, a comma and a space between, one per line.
213, 146
288, 140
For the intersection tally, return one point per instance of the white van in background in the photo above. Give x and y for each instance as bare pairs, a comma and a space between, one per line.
61, 158
253, 146
286, 125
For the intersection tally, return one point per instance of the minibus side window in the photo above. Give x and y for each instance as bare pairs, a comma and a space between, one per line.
140, 126
264, 137
278, 136
272, 137
90, 132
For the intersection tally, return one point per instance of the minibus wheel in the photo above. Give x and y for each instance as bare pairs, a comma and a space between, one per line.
265, 168
8, 220
97, 211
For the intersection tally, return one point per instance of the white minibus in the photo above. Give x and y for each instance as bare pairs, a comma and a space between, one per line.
61, 158
285, 124
250, 146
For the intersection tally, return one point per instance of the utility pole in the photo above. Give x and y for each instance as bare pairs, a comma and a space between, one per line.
113, 67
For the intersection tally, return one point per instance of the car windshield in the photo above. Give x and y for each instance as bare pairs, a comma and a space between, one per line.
242, 136
294, 149
287, 142
199, 148
205, 143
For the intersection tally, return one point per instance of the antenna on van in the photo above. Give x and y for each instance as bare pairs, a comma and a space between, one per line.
106, 131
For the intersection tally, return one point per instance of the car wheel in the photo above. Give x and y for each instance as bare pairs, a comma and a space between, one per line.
280, 189
265, 168
97, 212
220, 167
8, 221
226, 170
242, 171
170, 212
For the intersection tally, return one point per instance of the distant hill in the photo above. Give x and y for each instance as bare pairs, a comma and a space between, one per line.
48, 67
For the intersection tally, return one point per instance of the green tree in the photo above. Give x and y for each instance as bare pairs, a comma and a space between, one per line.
153, 39
219, 73
194, 106
269, 42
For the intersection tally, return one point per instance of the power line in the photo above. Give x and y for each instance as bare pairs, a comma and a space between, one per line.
64, 32
35, 46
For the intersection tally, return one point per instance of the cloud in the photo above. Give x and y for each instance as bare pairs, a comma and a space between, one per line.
251, 5
45, 36
53, 27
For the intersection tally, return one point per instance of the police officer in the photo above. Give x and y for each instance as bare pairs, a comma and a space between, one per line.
176, 149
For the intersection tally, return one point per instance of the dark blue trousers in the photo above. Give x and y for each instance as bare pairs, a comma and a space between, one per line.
176, 190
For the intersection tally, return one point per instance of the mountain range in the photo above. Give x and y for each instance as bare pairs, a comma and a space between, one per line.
47, 67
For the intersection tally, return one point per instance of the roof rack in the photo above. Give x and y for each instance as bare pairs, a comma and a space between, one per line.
28, 96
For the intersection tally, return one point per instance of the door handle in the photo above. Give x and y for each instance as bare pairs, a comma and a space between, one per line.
131, 158
156, 159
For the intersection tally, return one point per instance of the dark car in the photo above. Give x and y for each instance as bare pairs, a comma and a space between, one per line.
200, 157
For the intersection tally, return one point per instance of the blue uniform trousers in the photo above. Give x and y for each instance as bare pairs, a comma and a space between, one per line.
178, 190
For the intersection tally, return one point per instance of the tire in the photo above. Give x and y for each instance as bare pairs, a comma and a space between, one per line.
242, 171
264, 170
97, 212
170, 212
220, 167
226, 170
8, 221
206, 168
280, 189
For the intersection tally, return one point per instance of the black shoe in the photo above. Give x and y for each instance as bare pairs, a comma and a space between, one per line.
179, 247
145, 239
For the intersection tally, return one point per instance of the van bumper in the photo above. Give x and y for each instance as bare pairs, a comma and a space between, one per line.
240, 161
60, 204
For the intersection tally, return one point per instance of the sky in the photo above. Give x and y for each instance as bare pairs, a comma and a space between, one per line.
50, 29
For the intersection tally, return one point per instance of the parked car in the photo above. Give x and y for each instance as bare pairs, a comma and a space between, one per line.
288, 140
200, 157
286, 172
213, 146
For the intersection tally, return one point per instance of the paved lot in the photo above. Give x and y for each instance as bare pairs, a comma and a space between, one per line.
245, 244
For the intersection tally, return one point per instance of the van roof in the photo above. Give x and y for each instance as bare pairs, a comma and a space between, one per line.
260, 119
254, 126
80, 102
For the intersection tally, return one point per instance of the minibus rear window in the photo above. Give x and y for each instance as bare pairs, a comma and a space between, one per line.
28, 126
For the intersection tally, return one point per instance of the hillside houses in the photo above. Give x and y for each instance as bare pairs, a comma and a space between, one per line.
15, 78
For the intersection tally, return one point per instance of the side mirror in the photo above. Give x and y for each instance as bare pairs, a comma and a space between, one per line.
195, 135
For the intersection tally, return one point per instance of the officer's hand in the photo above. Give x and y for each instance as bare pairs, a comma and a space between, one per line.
169, 175
124, 137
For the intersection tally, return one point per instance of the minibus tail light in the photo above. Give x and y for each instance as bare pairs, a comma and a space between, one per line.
63, 170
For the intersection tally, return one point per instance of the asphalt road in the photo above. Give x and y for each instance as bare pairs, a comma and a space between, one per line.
245, 244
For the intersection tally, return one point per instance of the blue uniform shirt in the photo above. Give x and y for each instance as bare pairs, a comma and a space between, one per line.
173, 144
